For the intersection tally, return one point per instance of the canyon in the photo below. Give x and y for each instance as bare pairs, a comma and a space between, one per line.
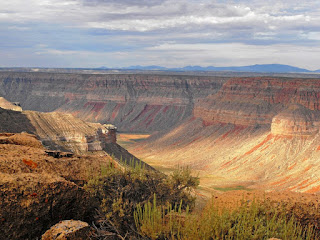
249, 133
253, 132
256, 132
133, 102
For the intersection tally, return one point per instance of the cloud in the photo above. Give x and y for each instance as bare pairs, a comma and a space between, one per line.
147, 31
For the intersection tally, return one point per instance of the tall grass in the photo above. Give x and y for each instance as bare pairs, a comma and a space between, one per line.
144, 204
250, 221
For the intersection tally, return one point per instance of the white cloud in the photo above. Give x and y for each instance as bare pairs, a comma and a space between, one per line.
177, 32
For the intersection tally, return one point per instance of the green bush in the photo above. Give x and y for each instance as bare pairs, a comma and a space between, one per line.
119, 192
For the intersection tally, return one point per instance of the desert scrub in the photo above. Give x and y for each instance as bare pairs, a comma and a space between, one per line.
120, 191
250, 221
159, 222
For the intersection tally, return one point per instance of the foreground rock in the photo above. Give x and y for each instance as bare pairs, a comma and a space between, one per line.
37, 190
68, 230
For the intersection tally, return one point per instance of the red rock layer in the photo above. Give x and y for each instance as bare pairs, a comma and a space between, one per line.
256, 100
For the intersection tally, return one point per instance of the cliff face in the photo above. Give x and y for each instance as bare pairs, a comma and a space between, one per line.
250, 101
64, 131
131, 102
55, 130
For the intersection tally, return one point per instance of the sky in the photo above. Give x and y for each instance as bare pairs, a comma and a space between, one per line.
170, 33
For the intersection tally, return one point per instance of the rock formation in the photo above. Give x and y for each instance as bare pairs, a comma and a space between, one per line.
59, 131
8, 105
68, 230
64, 132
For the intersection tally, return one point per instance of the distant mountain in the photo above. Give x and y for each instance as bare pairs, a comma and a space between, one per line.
272, 68
152, 67
103, 68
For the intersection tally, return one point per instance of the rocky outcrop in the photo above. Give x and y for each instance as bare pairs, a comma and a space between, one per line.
10, 106
68, 230
62, 132
133, 102
59, 131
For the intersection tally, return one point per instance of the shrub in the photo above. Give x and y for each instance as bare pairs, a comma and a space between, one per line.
254, 221
120, 191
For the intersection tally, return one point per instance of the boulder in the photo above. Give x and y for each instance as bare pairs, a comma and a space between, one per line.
68, 230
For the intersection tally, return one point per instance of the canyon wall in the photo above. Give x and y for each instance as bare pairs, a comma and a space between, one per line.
59, 131
251, 101
133, 102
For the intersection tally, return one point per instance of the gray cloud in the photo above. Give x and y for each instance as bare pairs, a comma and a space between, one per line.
126, 28
122, 3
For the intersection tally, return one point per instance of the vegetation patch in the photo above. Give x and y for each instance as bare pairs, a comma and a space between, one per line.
257, 220
146, 204
121, 191
226, 189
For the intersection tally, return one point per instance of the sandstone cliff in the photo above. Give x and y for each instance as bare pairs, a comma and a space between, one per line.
59, 131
